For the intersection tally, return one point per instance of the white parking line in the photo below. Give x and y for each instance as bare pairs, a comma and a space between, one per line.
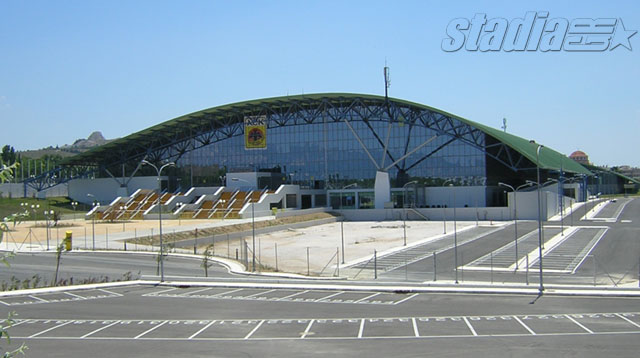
579, 324
110, 293
470, 326
292, 295
37, 298
628, 320
226, 292
162, 291
361, 328
331, 295
49, 329
192, 292
405, 299
524, 325
306, 331
202, 330
415, 327
99, 329
253, 330
150, 330
4, 303
367, 297
259, 293
74, 295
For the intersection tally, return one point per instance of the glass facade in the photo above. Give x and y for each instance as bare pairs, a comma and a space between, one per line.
324, 154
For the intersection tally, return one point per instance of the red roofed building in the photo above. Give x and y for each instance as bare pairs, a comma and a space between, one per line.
580, 157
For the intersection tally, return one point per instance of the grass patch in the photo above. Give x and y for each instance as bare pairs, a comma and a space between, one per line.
62, 205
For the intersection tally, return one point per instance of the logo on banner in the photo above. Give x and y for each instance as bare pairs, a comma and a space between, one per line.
255, 132
536, 32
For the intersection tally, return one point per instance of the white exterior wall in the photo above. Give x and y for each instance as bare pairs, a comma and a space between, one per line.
16, 190
107, 189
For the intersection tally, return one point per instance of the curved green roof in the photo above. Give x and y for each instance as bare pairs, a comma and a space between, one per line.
548, 159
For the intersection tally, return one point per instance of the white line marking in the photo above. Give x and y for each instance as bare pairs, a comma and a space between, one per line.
259, 293
524, 325
306, 331
99, 329
150, 330
202, 330
361, 328
331, 295
254, 329
19, 323
470, 326
38, 298
364, 298
628, 320
74, 295
192, 292
602, 233
415, 327
579, 324
405, 299
162, 291
111, 293
4, 303
295, 294
50, 329
226, 292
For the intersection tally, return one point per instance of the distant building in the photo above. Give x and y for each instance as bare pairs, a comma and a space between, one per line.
580, 157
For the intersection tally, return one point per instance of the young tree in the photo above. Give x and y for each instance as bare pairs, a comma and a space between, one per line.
5, 174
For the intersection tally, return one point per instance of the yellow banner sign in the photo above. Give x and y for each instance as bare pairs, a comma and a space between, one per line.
255, 132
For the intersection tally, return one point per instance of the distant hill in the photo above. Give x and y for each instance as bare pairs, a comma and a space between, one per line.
67, 150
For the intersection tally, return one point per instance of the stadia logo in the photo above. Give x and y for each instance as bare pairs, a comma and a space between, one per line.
536, 32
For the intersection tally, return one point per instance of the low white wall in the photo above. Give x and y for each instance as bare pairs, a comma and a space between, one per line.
16, 190
106, 189
434, 214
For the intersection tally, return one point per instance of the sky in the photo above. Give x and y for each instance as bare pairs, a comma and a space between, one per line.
68, 68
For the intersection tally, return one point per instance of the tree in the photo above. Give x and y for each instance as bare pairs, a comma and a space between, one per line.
8, 154
7, 172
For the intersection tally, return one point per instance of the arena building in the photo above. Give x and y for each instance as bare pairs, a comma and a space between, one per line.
345, 151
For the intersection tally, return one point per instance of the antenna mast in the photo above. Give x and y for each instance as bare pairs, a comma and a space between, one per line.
504, 124
387, 82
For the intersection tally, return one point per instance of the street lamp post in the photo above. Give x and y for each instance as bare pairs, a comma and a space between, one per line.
74, 204
253, 229
515, 213
342, 221
35, 215
455, 232
404, 207
159, 172
48, 214
444, 211
539, 147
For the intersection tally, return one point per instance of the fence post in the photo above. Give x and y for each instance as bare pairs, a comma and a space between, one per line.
195, 243
337, 262
308, 272
276, 254
85, 237
595, 269
491, 267
435, 267
375, 264
106, 229
461, 267
526, 275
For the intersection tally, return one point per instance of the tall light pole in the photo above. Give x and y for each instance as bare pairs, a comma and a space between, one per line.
253, 229
539, 147
444, 211
159, 171
515, 212
93, 220
74, 205
455, 231
404, 207
342, 221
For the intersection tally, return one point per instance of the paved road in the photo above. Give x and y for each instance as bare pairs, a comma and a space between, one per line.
154, 321
606, 246
98, 265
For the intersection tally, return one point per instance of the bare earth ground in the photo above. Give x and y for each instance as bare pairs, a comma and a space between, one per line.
321, 241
